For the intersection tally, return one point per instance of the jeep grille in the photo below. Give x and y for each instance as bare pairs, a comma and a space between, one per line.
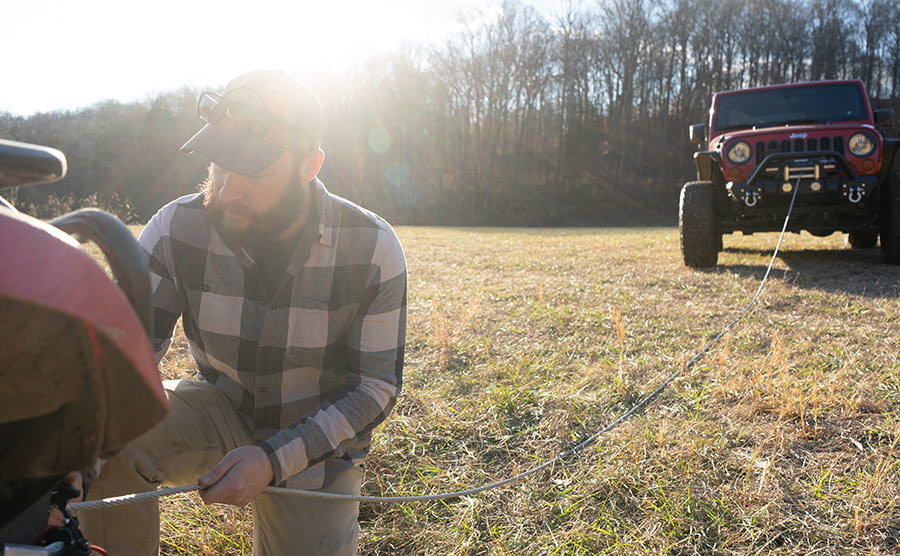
798, 146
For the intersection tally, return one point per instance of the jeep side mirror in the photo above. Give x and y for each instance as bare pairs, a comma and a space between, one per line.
698, 133
883, 118
26, 164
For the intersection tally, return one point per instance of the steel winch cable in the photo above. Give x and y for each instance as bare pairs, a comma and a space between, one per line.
132, 498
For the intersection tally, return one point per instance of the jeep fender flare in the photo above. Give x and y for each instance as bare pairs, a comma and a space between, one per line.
709, 166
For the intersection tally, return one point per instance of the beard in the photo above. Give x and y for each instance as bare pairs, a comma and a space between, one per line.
238, 224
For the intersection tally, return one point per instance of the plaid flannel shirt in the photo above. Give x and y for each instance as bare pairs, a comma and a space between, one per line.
311, 369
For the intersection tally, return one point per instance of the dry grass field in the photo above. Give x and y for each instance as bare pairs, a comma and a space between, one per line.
783, 440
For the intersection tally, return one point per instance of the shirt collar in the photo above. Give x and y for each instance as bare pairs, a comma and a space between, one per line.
326, 214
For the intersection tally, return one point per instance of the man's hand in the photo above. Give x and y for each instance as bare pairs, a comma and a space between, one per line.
239, 478
75, 479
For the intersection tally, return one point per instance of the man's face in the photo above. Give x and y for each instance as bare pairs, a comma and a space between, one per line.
266, 203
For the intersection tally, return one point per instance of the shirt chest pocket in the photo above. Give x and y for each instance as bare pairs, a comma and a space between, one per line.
317, 320
309, 324
215, 310
220, 313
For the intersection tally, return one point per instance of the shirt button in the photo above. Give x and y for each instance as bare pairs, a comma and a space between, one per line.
262, 389
262, 301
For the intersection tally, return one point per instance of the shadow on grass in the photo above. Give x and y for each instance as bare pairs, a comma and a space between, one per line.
854, 271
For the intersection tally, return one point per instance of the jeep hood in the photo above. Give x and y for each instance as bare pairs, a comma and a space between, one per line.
787, 131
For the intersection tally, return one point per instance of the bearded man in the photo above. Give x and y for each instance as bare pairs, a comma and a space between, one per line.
293, 302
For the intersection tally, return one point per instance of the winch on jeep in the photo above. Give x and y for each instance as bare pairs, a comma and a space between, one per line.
820, 137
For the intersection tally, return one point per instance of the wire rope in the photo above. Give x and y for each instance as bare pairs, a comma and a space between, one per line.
132, 498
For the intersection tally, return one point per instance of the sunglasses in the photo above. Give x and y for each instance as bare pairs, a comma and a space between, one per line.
248, 119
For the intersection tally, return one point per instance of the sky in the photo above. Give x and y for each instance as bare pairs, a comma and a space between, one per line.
68, 54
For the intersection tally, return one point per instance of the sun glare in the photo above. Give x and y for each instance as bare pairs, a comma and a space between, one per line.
349, 31
99, 49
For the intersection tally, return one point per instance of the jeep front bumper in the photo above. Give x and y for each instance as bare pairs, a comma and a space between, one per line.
830, 194
769, 194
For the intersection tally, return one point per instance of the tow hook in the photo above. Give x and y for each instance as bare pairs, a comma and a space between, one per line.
854, 194
751, 198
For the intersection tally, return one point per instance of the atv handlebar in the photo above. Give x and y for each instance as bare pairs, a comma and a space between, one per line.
127, 260
27, 164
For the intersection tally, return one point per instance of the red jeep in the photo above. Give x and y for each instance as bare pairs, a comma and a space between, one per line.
763, 142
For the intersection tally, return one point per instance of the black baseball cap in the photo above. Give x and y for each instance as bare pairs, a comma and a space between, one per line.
258, 116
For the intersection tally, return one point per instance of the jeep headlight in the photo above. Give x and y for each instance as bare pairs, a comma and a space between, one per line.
861, 144
739, 152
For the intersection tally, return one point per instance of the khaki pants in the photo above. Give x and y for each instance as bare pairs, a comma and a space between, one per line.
200, 429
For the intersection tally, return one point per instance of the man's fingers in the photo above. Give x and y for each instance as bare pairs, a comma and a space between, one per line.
219, 487
241, 475
228, 490
218, 471
56, 518
213, 494
75, 479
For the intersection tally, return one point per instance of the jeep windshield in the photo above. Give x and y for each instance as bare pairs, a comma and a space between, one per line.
825, 103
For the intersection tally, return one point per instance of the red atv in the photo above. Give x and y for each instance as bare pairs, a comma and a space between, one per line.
78, 378
821, 137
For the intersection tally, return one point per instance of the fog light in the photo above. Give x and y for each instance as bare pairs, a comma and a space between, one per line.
787, 187
815, 187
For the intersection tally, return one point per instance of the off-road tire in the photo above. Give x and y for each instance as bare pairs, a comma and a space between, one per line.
697, 224
890, 230
862, 239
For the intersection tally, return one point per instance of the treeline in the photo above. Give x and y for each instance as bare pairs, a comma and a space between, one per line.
578, 117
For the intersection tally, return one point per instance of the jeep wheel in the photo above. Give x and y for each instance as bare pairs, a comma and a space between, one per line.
862, 239
697, 224
890, 230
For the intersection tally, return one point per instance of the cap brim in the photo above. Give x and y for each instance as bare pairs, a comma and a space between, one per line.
236, 152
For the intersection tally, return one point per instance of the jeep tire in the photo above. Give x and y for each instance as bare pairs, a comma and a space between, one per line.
890, 229
700, 239
862, 239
